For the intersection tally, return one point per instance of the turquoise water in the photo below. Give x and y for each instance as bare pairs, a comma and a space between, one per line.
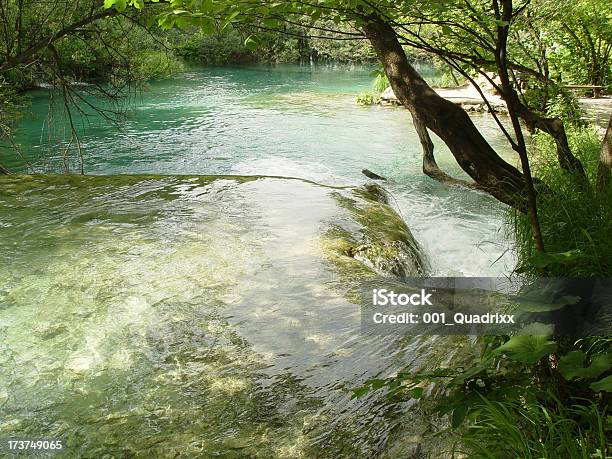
289, 121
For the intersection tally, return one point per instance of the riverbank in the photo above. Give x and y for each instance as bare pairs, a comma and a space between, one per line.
467, 96
597, 111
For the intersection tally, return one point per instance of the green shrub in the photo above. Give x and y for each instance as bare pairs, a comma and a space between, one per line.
381, 82
368, 98
217, 49
152, 64
554, 101
563, 105
446, 79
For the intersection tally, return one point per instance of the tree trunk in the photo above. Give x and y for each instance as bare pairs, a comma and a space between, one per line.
430, 166
508, 92
553, 127
605, 160
447, 120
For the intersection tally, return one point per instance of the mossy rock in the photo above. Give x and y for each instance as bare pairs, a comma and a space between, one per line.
388, 258
381, 240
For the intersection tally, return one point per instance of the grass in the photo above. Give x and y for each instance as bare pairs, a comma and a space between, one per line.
574, 221
372, 97
532, 430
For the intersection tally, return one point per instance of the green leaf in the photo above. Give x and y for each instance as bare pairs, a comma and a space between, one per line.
571, 366
208, 26
109, 3
271, 23
459, 414
166, 22
544, 259
120, 5
528, 349
183, 22
251, 43
138, 4
604, 384
469, 374
229, 19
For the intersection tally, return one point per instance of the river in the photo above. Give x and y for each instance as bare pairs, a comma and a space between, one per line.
297, 122
177, 315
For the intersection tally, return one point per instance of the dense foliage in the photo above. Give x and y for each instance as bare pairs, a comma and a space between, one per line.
575, 221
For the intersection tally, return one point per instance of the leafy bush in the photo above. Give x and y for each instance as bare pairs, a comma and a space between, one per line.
153, 64
528, 396
216, 49
10, 103
563, 105
125, 53
554, 101
368, 98
381, 82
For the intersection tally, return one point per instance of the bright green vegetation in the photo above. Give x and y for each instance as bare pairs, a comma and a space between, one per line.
576, 221
436, 76
536, 395
199, 47
528, 396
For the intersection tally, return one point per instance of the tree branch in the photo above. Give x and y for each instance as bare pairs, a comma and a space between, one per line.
29, 53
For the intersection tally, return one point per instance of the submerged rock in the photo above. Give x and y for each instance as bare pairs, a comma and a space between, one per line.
385, 244
385, 257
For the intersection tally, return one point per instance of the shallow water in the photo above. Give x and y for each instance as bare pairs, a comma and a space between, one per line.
290, 121
191, 317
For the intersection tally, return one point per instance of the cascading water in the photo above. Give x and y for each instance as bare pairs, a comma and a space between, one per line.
199, 316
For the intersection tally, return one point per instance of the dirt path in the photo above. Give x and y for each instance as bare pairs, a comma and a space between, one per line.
598, 111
